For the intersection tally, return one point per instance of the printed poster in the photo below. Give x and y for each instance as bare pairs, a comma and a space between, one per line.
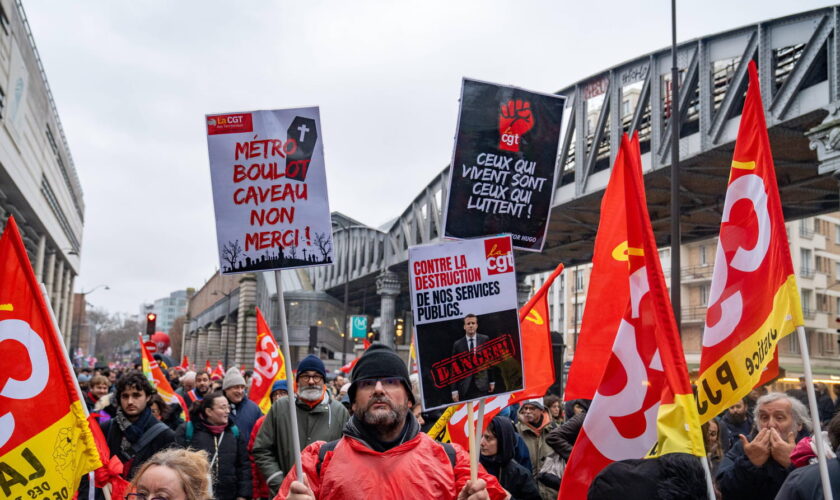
503, 167
269, 190
464, 300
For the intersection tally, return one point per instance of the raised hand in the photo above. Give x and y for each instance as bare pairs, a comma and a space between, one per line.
515, 118
758, 451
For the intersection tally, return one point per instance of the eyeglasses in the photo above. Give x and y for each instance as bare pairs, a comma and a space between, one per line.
142, 496
311, 378
387, 383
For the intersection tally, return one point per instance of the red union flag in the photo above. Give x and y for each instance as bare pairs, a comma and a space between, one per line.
753, 298
152, 371
269, 365
609, 278
45, 441
643, 405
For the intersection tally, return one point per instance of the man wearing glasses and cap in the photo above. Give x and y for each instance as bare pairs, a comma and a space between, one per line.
383, 454
319, 416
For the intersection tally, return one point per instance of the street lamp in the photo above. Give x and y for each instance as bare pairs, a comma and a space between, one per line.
227, 319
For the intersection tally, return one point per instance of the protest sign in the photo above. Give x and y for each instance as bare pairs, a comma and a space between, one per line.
269, 190
463, 296
503, 176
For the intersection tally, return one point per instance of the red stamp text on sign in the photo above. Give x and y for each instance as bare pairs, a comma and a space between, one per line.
229, 124
499, 256
460, 366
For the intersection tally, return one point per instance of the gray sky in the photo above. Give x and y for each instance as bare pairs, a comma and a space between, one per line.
133, 81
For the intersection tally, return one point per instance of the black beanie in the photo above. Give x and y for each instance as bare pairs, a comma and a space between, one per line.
379, 361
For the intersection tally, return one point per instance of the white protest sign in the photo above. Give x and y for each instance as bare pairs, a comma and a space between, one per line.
269, 190
464, 300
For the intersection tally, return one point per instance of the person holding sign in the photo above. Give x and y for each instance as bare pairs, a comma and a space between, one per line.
479, 384
383, 454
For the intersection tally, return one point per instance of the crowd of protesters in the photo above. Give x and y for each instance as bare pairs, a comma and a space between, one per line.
365, 438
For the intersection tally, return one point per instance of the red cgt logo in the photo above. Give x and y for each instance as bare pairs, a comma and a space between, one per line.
229, 124
499, 255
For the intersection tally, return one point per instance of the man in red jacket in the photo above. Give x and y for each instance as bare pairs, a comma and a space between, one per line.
383, 454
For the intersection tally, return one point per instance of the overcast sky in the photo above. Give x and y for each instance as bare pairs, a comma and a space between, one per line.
133, 80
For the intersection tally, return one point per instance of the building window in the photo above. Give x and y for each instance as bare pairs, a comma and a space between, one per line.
837, 234
579, 280
578, 312
822, 303
703, 259
829, 343
806, 266
793, 344
704, 294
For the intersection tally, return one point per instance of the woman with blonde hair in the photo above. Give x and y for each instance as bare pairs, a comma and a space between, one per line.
173, 474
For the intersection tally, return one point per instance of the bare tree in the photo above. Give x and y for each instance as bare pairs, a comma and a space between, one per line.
324, 244
231, 253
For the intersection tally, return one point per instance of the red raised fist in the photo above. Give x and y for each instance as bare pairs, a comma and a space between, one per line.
515, 118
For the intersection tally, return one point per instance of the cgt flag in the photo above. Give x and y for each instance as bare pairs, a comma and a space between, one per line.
753, 298
269, 365
155, 375
219, 372
643, 405
537, 362
185, 362
46, 445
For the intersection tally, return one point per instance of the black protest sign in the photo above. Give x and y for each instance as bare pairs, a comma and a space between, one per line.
503, 167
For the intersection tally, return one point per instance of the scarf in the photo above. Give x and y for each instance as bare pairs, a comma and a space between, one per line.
132, 432
214, 429
365, 433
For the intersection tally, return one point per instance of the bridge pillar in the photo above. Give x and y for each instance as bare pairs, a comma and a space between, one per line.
825, 139
388, 287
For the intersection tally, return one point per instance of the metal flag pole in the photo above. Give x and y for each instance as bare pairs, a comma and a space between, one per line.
676, 299
284, 333
815, 415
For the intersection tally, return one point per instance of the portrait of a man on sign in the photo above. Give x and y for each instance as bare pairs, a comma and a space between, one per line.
466, 320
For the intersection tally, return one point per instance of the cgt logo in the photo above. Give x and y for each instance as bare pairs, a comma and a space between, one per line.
229, 124
499, 255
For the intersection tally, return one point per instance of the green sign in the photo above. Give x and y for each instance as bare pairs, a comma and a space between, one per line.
358, 326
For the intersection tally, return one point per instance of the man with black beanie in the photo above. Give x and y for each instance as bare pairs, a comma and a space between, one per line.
383, 454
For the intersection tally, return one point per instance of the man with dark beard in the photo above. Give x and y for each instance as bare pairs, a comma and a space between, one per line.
319, 417
383, 454
737, 423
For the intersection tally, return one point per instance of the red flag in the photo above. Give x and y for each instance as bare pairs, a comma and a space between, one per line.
753, 297
219, 371
269, 365
607, 294
185, 363
208, 367
45, 437
644, 405
347, 368
158, 380
537, 362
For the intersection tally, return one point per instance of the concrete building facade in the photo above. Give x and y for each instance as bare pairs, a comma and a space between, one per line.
39, 185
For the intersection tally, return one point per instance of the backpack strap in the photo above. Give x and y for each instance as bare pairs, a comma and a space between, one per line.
150, 434
450, 453
323, 453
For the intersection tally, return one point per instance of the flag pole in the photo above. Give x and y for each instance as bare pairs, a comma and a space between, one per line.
471, 436
710, 487
284, 332
479, 428
815, 415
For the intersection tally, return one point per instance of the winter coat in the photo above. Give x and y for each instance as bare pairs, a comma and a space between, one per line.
133, 460
514, 478
738, 479
562, 439
232, 470
804, 483
419, 468
535, 441
244, 414
273, 449
675, 476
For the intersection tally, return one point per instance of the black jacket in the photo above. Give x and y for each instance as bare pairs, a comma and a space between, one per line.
133, 460
804, 483
562, 439
675, 476
517, 480
232, 471
739, 479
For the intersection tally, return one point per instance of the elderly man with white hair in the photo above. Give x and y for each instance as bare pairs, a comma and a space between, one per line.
755, 468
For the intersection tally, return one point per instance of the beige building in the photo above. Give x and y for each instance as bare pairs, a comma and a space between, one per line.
815, 251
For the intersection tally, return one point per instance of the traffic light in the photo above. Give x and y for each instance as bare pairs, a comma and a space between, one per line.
399, 327
151, 318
